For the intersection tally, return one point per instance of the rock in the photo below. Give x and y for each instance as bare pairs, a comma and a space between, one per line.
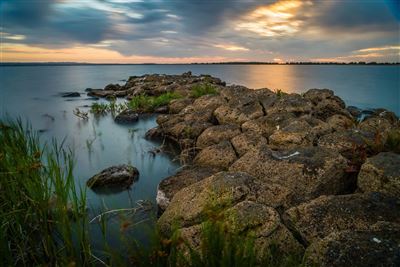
71, 94
100, 93
154, 134
297, 133
266, 125
168, 187
244, 142
208, 102
216, 134
162, 109
115, 176
376, 125
381, 173
340, 122
112, 87
307, 171
325, 103
220, 156
350, 143
376, 247
354, 111
175, 106
291, 103
322, 216
190, 204
126, 117
249, 217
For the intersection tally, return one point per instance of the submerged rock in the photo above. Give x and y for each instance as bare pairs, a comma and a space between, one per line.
381, 173
116, 176
126, 117
71, 94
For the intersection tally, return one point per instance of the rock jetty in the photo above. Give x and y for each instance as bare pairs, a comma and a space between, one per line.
302, 171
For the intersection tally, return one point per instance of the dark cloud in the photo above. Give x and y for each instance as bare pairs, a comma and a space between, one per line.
146, 28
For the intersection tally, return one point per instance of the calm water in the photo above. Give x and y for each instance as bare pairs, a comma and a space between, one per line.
31, 92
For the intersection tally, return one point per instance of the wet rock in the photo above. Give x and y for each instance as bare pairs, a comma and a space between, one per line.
112, 87
220, 156
100, 93
162, 109
126, 117
154, 134
190, 204
71, 94
354, 111
216, 134
307, 171
244, 142
168, 187
116, 176
381, 173
376, 247
327, 214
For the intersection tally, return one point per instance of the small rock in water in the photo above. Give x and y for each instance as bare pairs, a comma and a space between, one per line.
115, 176
71, 94
126, 117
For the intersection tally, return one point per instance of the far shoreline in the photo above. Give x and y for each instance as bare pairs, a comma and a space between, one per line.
17, 64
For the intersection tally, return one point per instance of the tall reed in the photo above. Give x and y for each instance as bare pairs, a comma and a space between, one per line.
42, 212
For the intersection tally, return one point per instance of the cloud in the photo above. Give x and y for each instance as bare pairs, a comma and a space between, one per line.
250, 29
231, 47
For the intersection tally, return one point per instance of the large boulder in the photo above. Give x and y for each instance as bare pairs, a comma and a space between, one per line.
189, 206
340, 122
216, 134
121, 176
291, 103
126, 117
297, 133
320, 217
168, 187
266, 125
307, 171
221, 155
381, 173
244, 142
177, 105
246, 217
376, 247
325, 103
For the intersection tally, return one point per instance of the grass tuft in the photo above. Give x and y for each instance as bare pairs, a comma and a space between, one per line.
145, 103
199, 90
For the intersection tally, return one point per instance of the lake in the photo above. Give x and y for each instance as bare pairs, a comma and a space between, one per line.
32, 92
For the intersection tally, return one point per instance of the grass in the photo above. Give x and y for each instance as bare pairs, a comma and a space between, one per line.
42, 211
199, 90
145, 103
103, 108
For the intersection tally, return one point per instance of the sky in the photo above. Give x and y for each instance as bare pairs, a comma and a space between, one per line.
188, 31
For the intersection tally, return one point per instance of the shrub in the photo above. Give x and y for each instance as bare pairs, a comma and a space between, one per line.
199, 90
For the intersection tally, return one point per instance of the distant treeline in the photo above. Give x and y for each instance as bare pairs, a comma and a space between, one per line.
207, 63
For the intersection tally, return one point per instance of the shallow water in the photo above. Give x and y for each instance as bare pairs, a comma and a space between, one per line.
33, 93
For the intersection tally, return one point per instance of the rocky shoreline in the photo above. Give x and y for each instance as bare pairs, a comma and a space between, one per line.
304, 172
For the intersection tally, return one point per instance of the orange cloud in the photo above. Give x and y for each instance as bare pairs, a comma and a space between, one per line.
277, 19
22, 53
231, 47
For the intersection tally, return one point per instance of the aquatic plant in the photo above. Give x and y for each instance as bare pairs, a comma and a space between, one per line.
43, 213
145, 103
199, 90
98, 108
